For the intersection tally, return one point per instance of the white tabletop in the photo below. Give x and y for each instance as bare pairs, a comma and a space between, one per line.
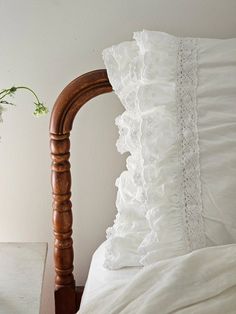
21, 277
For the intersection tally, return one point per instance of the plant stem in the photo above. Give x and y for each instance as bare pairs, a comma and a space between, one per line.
6, 91
29, 89
39, 106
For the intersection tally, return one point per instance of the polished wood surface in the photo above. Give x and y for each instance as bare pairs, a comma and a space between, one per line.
71, 99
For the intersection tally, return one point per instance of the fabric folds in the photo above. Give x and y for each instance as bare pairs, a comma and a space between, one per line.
177, 194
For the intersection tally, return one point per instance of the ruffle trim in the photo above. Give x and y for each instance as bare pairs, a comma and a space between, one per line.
151, 222
123, 64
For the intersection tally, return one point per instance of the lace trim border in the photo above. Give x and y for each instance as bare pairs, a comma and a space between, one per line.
187, 119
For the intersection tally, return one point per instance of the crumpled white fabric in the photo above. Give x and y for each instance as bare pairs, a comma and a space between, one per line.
143, 74
147, 131
130, 225
201, 282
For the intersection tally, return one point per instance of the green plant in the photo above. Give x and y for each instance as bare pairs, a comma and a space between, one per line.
39, 110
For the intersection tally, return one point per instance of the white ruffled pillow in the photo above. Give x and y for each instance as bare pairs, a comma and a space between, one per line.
130, 226
180, 127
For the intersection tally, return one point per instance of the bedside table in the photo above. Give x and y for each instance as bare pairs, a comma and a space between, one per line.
21, 276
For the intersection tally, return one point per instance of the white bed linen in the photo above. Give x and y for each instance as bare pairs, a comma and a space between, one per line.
100, 277
202, 282
179, 126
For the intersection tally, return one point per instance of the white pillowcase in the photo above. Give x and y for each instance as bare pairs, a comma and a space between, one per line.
130, 226
180, 127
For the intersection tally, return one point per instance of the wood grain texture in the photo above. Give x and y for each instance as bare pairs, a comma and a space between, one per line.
71, 99
74, 96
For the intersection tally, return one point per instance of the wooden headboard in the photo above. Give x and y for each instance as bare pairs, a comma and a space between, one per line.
68, 103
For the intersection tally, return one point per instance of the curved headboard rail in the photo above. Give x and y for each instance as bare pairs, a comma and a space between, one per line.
74, 96
68, 103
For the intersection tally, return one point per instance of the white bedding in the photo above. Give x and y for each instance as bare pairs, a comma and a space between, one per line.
100, 277
201, 282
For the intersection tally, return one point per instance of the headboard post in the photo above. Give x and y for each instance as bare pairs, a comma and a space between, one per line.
71, 99
62, 213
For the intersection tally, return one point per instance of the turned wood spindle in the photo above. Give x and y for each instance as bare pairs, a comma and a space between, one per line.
71, 99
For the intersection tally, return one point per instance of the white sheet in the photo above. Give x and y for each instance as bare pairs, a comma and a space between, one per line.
100, 277
202, 282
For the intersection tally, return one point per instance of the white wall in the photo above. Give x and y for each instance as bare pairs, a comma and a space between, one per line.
45, 44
